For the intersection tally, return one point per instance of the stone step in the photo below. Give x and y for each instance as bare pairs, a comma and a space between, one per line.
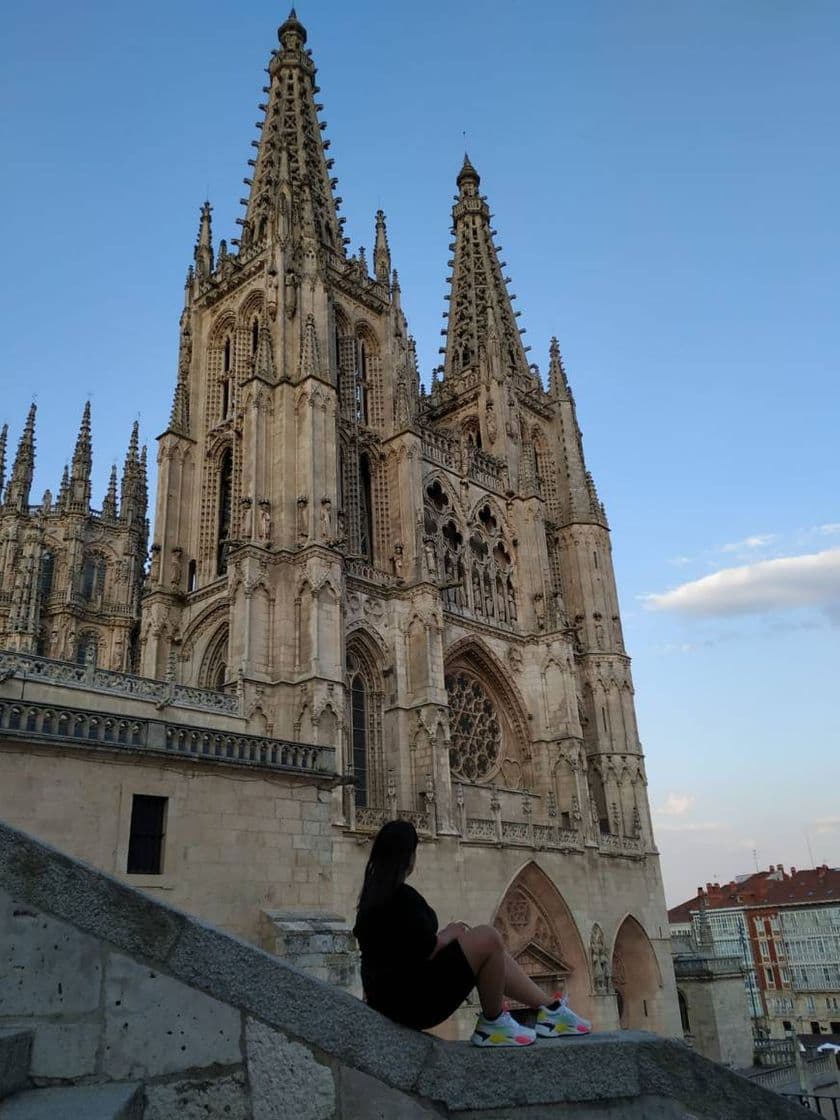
81, 1102
15, 1054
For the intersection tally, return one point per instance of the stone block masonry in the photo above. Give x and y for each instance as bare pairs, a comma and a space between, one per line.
214, 1027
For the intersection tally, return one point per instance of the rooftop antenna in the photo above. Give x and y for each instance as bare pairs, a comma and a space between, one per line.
810, 853
755, 858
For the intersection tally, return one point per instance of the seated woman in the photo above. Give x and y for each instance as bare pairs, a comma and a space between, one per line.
418, 976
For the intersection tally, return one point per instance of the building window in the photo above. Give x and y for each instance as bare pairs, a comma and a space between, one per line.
148, 828
359, 718
365, 509
191, 576
226, 359
93, 577
684, 1019
223, 537
815, 1027
255, 335
787, 1026
46, 578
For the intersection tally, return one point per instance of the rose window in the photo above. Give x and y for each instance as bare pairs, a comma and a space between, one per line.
474, 729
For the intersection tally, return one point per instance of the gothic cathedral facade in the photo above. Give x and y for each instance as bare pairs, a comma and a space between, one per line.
422, 579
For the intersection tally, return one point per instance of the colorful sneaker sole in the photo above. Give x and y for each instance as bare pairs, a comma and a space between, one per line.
479, 1038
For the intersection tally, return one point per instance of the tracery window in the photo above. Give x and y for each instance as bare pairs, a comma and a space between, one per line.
474, 728
365, 509
365, 719
87, 648
93, 576
359, 706
223, 530
45, 581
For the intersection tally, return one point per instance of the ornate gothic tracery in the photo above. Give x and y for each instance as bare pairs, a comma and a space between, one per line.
474, 728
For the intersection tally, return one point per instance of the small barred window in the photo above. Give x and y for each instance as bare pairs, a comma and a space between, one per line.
474, 728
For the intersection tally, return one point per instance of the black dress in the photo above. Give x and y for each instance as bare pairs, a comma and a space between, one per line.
399, 975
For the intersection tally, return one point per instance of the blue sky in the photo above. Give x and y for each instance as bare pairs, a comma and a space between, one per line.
664, 179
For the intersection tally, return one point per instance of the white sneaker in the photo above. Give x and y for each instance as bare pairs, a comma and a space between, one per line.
504, 1031
558, 1020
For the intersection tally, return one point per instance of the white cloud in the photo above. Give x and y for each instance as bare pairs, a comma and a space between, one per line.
748, 544
676, 804
827, 824
810, 580
691, 826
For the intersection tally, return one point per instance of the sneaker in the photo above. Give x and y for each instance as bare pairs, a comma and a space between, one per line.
558, 1019
504, 1031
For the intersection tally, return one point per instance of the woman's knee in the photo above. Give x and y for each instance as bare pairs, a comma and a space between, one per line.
485, 940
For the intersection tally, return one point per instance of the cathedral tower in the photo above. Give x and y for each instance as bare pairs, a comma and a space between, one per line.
421, 579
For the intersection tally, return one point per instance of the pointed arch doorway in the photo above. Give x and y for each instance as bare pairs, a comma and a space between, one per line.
540, 934
636, 978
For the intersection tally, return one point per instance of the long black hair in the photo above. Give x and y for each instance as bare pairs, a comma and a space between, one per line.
390, 859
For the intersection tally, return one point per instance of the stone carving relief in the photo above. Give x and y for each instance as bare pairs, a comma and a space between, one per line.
599, 961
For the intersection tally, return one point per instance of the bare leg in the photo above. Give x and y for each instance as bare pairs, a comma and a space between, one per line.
485, 955
520, 986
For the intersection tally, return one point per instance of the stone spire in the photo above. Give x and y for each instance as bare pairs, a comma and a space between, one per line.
179, 416
264, 357
81, 464
291, 175
381, 252
109, 505
64, 488
481, 316
4, 435
203, 254
23, 468
130, 482
558, 383
310, 361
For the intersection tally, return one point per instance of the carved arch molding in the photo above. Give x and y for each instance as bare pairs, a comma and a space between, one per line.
540, 933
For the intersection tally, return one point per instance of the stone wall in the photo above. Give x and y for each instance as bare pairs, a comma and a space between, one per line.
117, 985
236, 842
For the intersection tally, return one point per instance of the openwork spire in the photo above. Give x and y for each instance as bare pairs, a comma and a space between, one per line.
20, 480
109, 505
481, 317
203, 254
4, 435
381, 252
291, 177
179, 416
81, 463
558, 384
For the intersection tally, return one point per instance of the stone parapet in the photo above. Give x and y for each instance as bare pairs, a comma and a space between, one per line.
147, 992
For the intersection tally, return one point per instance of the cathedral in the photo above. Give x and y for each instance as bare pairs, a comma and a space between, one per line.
419, 579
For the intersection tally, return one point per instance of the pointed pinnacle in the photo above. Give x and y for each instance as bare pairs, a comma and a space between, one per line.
557, 380
381, 252
4, 435
468, 172
109, 505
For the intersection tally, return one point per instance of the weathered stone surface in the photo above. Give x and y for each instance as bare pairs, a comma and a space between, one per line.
47, 879
365, 1098
15, 1055
292, 1001
597, 1067
670, 1069
285, 1078
87, 1102
199, 1098
64, 1049
155, 1025
46, 967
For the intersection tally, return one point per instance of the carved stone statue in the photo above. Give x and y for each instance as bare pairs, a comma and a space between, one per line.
599, 962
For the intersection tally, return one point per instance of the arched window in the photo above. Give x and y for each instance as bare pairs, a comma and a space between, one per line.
361, 400
214, 667
87, 648
223, 534
364, 683
93, 576
226, 356
359, 722
225, 397
684, 1019
191, 576
365, 509
255, 335
45, 581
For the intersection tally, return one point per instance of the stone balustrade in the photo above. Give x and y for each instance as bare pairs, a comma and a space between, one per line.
69, 674
59, 724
